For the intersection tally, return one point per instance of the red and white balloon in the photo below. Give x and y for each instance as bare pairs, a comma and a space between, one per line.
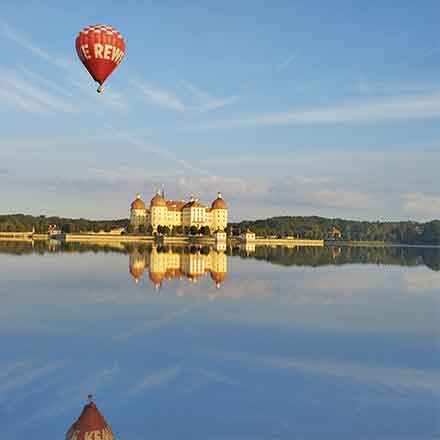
100, 48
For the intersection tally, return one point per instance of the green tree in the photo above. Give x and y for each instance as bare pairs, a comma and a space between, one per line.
193, 230
142, 229
204, 230
66, 229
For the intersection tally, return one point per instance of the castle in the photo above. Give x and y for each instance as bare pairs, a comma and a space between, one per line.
178, 213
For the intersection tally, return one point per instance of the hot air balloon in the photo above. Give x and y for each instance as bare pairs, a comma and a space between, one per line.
90, 425
100, 48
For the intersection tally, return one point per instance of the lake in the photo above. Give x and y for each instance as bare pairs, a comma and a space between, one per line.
201, 343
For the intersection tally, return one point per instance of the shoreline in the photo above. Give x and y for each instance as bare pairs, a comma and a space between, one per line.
197, 240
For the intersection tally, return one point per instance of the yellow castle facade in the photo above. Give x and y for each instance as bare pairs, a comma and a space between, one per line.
172, 213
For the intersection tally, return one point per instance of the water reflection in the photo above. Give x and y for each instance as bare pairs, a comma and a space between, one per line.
166, 263
298, 342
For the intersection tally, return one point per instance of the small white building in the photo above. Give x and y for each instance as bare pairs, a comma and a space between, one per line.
247, 236
220, 236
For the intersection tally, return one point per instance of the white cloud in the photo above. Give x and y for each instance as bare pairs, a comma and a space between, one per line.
390, 88
115, 100
289, 60
205, 102
321, 192
209, 186
29, 96
155, 150
197, 100
15, 99
26, 43
421, 205
216, 376
44, 81
161, 97
425, 106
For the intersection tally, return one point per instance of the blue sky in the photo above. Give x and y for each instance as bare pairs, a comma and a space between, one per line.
296, 108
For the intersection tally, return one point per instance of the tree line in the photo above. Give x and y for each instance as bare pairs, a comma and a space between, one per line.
313, 227
318, 228
40, 224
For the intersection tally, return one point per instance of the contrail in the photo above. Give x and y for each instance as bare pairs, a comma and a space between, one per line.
287, 61
151, 149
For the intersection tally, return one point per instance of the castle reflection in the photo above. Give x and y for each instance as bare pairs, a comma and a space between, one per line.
167, 263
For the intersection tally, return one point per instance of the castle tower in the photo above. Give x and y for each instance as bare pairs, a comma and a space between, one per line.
136, 262
219, 210
138, 213
157, 267
158, 211
218, 267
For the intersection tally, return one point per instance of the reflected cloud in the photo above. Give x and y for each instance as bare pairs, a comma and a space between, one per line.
156, 379
23, 374
417, 282
387, 376
67, 397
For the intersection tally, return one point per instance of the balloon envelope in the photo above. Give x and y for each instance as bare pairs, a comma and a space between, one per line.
90, 425
100, 48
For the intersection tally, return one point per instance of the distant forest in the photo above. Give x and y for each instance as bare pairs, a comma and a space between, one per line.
25, 223
406, 232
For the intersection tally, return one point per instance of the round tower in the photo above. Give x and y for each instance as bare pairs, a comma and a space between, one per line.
136, 265
159, 211
138, 213
219, 210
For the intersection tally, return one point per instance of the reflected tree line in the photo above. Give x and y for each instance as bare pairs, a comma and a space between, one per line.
333, 255
284, 256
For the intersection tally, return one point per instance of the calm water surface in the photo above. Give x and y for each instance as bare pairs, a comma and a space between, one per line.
266, 343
